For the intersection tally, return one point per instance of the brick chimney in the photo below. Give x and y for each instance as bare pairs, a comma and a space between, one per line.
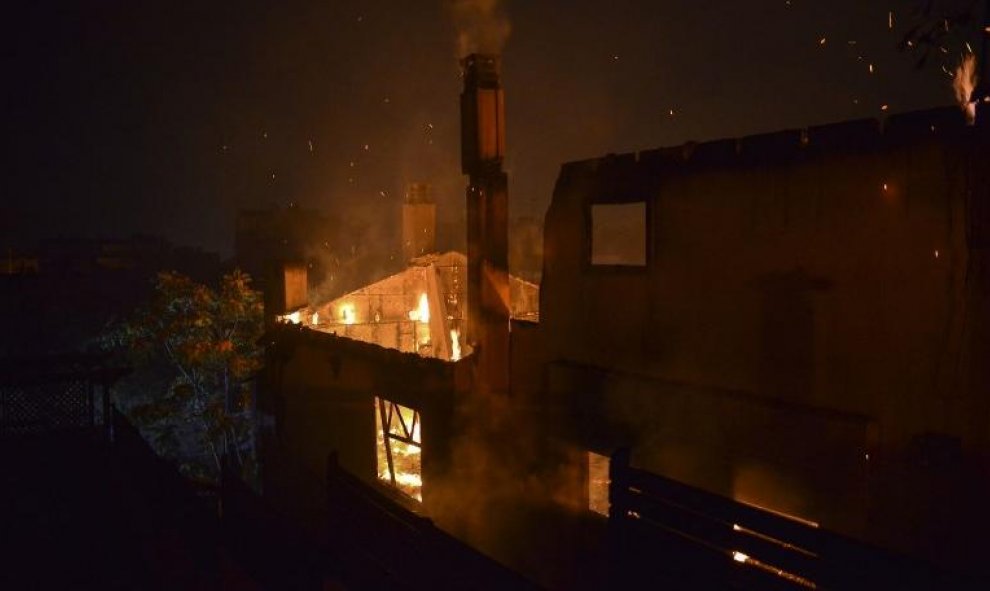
286, 290
419, 222
482, 154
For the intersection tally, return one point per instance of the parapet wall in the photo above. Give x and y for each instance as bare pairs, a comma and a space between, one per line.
839, 268
781, 148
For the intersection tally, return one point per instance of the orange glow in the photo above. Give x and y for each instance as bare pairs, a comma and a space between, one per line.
422, 311
801, 520
348, 315
598, 482
398, 445
455, 345
424, 308
963, 83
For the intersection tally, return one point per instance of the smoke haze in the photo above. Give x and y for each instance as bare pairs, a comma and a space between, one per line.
482, 26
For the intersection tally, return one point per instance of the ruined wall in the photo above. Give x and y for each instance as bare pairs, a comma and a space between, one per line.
320, 397
803, 304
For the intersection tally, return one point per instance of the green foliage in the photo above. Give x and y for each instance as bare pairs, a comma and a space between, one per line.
197, 347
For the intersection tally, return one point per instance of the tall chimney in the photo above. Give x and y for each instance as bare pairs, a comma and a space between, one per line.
482, 153
419, 222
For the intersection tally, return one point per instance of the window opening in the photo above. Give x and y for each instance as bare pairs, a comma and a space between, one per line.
618, 234
399, 447
598, 482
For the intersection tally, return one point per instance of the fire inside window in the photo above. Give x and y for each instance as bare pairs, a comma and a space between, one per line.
618, 234
598, 482
399, 447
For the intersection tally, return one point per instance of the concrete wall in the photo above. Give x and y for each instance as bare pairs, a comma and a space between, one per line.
804, 303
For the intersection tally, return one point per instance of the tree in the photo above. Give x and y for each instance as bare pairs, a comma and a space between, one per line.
199, 347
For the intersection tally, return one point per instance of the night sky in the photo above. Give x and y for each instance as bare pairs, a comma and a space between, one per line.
166, 117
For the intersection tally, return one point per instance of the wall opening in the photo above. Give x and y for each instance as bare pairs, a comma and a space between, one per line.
399, 447
598, 482
618, 234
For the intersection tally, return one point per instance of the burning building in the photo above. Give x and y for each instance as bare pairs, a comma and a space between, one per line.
793, 320
408, 348
419, 310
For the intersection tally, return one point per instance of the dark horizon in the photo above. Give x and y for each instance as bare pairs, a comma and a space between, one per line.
163, 119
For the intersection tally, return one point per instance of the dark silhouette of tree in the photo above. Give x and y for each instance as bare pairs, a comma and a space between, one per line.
199, 347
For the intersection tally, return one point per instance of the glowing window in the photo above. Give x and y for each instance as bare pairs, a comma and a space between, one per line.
399, 447
618, 234
598, 483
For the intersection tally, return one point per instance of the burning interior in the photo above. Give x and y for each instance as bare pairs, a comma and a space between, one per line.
420, 310
399, 447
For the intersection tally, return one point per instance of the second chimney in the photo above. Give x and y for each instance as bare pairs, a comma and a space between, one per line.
419, 222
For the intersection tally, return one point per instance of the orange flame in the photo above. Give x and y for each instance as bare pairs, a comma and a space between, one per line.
964, 83
455, 345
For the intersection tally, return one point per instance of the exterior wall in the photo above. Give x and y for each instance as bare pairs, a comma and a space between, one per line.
320, 398
803, 307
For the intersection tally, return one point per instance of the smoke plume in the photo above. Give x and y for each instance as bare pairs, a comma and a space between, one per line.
482, 26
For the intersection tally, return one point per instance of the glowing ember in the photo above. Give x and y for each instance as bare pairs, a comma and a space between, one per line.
315, 319
964, 82
348, 315
293, 318
455, 345
739, 557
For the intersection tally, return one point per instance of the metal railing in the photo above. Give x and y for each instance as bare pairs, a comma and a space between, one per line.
671, 531
54, 394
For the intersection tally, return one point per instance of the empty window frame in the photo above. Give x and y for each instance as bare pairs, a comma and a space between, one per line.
618, 234
399, 447
598, 482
